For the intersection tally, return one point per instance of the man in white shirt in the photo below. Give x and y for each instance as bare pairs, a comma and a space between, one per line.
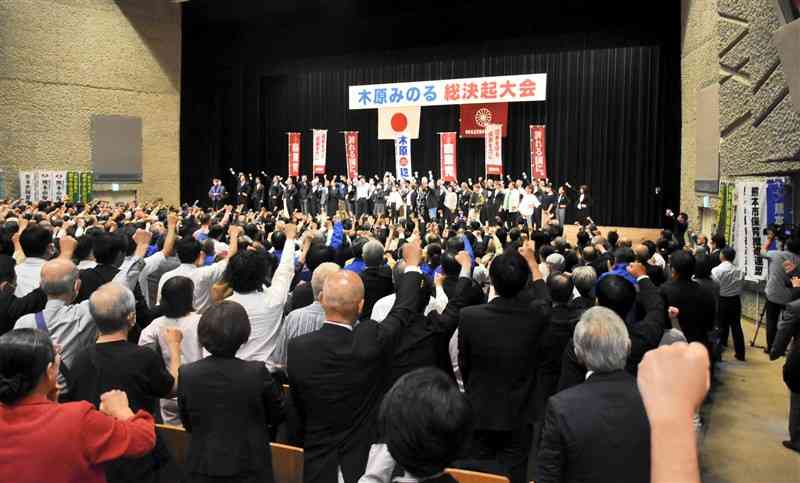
731, 281
35, 242
192, 257
362, 196
264, 306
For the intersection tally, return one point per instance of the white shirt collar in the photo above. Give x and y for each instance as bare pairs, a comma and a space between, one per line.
346, 326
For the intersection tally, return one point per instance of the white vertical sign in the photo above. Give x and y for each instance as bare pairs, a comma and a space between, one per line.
402, 156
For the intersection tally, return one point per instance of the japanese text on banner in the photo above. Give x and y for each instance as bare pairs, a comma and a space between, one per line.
294, 153
538, 153
320, 150
402, 149
448, 167
494, 155
351, 153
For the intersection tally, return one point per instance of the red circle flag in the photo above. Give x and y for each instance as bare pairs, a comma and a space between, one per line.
399, 122
403, 161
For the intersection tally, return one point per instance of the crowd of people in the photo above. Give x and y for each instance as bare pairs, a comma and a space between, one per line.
410, 341
494, 201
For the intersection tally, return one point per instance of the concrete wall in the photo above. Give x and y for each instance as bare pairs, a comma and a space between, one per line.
61, 61
731, 42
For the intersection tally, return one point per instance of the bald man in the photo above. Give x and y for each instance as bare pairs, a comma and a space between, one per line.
643, 256
338, 374
69, 325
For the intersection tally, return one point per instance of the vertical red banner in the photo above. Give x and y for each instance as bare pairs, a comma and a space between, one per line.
538, 153
351, 153
448, 161
294, 153
320, 150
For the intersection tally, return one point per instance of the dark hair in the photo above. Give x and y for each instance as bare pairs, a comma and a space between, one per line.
317, 255
450, 266
24, 356
613, 238
682, 263
729, 253
108, 247
624, 255
246, 271
216, 231
561, 287
455, 244
425, 421
7, 272
177, 296
188, 249
278, 240
509, 273
35, 240
223, 328
616, 293
793, 245
84, 248
434, 252
702, 266
719, 241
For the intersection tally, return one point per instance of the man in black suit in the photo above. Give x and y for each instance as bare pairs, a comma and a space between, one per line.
338, 375
644, 314
11, 306
376, 276
597, 431
694, 302
498, 346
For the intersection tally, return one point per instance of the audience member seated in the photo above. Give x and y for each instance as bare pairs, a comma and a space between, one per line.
41, 440
376, 276
11, 306
338, 374
227, 403
115, 363
245, 274
176, 305
303, 320
424, 423
597, 431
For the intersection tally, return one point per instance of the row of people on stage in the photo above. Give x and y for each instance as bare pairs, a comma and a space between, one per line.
533, 202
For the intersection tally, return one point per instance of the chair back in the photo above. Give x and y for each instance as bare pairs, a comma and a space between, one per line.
464, 476
287, 463
176, 440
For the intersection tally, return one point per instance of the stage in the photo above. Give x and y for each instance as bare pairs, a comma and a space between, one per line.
635, 235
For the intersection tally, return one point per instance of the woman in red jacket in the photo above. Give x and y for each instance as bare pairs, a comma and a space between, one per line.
41, 440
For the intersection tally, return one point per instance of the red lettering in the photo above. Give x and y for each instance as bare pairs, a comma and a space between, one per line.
469, 91
451, 92
508, 89
527, 88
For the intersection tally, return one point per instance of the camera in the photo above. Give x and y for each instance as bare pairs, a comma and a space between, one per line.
782, 231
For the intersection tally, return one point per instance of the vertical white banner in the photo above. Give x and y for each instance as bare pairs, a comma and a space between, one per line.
44, 190
320, 150
59, 185
749, 223
494, 149
402, 156
27, 185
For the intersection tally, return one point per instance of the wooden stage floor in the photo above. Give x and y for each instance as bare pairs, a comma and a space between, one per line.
636, 235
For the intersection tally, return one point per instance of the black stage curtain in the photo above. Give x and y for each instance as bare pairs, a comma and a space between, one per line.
612, 116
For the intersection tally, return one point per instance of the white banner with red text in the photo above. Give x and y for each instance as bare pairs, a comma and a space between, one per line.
475, 90
351, 153
402, 156
448, 167
294, 153
320, 150
538, 153
494, 149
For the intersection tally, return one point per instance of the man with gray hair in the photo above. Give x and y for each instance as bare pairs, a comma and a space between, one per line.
305, 319
376, 276
115, 363
597, 430
584, 278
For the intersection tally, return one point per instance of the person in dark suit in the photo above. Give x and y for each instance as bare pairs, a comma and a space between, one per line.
376, 276
338, 375
643, 256
11, 306
243, 191
597, 431
258, 195
695, 303
499, 351
565, 314
227, 404
644, 314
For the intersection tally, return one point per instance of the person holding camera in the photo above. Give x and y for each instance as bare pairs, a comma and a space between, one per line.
777, 291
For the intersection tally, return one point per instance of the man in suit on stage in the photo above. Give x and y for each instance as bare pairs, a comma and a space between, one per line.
339, 374
243, 191
498, 346
217, 193
597, 430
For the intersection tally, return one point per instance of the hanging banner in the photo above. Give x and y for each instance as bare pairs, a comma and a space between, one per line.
447, 156
320, 150
402, 156
750, 220
351, 153
396, 121
294, 154
59, 185
27, 186
475, 117
476, 90
538, 153
44, 186
494, 150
